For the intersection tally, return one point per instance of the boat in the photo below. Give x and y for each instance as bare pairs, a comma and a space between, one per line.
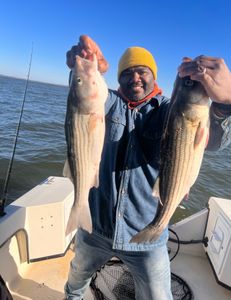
35, 253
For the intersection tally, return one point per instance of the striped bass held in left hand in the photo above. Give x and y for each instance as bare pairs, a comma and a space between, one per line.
85, 131
184, 140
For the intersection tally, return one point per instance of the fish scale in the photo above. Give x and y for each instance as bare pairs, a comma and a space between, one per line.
182, 153
80, 126
84, 130
182, 148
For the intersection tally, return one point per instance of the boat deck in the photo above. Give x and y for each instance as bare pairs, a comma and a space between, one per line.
198, 274
45, 279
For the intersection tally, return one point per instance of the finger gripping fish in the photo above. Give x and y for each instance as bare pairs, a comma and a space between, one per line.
183, 142
84, 131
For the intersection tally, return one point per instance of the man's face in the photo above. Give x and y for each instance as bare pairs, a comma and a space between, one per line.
136, 82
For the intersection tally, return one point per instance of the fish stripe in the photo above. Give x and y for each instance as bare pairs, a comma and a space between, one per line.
87, 96
180, 159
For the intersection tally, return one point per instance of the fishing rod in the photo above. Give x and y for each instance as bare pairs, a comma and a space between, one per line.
6, 183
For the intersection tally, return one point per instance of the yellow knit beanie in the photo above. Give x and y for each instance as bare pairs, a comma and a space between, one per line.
137, 56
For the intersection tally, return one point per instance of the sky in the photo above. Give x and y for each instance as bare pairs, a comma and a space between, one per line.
170, 30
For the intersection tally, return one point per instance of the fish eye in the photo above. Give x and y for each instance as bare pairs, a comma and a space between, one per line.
79, 81
188, 82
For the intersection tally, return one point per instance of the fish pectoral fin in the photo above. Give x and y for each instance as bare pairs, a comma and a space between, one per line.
80, 216
156, 190
94, 119
200, 136
147, 235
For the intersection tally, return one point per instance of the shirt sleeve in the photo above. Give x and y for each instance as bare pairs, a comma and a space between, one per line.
220, 126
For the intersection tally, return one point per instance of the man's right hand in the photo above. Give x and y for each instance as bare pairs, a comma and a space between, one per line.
85, 48
213, 73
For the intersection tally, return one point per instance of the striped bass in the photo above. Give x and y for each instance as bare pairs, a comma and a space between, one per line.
184, 140
84, 130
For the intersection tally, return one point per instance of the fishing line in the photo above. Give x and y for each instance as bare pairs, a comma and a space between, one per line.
6, 183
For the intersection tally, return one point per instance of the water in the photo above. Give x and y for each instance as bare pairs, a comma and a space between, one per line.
41, 146
40, 150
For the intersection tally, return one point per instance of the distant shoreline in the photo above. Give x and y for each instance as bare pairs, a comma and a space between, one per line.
44, 82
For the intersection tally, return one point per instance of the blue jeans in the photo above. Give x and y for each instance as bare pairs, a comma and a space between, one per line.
150, 269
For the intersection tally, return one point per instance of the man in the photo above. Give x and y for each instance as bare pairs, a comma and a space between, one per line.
123, 204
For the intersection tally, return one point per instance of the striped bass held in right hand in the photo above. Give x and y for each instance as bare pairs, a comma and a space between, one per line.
85, 131
184, 140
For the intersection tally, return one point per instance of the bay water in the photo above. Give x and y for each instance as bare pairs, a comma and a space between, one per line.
41, 147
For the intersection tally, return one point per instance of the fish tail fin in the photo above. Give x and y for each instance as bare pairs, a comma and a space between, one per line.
146, 235
79, 217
